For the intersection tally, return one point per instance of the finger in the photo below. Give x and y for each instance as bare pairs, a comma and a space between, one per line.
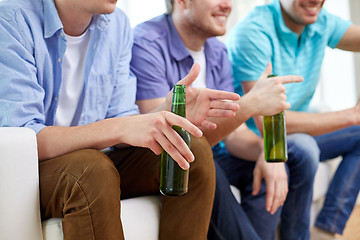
176, 120
267, 71
176, 140
208, 125
219, 113
224, 104
277, 197
290, 79
285, 189
156, 148
192, 75
181, 156
256, 183
223, 95
287, 105
270, 190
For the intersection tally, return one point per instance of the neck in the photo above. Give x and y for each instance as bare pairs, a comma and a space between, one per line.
291, 24
74, 20
190, 35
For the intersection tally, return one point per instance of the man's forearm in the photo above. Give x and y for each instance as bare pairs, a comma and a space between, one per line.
319, 123
54, 141
244, 143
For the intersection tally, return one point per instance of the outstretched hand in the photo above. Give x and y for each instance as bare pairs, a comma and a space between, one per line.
202, 103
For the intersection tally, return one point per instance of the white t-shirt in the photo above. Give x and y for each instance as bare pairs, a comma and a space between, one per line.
73, 70
199, 57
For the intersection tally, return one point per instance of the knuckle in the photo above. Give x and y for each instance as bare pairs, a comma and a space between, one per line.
153, 132
159, 122
149, 141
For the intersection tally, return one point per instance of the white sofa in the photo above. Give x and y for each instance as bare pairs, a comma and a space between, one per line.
19, 195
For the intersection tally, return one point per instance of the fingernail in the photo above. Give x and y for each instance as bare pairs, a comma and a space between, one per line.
187, 166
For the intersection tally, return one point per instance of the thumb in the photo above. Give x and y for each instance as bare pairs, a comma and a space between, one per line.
267, 71
256, 183
192, 75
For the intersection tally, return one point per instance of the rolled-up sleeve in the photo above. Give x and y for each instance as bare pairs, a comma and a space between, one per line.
21, 96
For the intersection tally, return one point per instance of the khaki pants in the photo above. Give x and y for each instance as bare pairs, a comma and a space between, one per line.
84, 188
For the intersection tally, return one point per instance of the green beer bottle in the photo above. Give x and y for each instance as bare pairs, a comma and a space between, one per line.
274, 131
173, 179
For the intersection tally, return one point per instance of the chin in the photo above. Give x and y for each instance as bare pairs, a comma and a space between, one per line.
310, 20
219, 31
110, 8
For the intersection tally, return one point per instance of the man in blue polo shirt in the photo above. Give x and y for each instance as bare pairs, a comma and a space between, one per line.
164, 49
293, 35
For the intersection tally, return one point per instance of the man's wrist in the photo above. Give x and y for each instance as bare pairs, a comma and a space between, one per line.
246, 108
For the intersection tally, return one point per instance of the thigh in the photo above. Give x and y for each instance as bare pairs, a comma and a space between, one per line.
238, 171
75, 179
338, 143
139, 170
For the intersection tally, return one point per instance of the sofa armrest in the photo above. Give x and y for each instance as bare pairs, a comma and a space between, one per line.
19, 185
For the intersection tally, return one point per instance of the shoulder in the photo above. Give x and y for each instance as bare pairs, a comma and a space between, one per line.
119, 19
261, 17
327, 19
17, 11
259, 23
21, 20
152, 30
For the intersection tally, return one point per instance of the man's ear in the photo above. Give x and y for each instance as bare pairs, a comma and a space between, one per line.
181, 3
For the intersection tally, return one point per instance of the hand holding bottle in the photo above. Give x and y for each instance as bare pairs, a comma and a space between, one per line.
173, 179
269, 93
274, 134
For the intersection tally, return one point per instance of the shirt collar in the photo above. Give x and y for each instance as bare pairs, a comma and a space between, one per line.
178, 49
180, 52
100, 21
52, 22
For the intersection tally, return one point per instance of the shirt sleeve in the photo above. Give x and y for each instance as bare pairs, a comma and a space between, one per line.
123, 98
249, 49
149, 66
225, 81
336, 28
21, 97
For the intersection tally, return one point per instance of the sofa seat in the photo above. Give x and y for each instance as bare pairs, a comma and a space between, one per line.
140, 218
19, 190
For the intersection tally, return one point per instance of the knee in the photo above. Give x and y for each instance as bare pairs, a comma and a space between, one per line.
94, 171
203, 166
353, 134
305, 151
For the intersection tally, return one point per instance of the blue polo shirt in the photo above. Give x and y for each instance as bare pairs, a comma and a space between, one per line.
263, 37
33, 44
160, 59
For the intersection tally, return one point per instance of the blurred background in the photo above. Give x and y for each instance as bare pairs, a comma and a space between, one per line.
339, 86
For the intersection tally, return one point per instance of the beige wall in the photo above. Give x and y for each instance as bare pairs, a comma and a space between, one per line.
355, 17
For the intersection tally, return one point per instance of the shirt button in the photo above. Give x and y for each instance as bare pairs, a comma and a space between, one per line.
62, 34
59, 59
55, 98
